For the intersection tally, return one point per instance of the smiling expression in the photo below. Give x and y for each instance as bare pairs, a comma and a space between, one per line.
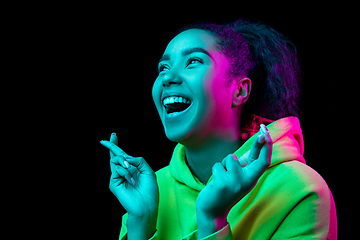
191, 95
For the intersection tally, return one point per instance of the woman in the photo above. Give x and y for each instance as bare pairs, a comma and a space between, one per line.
235, 174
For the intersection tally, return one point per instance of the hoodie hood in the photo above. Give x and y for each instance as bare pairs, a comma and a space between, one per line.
287, 138
288, 145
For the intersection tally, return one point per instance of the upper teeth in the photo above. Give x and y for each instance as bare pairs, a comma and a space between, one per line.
174, 99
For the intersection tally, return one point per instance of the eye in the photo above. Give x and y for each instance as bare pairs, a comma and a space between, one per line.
163, 68
194, 60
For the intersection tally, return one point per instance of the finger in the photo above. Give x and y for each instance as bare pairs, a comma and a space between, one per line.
114, 140
259, 166
121, 173
226, 162
120, 161
139, 164
256, 147
218, 172
232, 165
113, 148
116, 179
243, 160
266, 150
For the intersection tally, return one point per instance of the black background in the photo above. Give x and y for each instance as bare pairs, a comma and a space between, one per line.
92, 68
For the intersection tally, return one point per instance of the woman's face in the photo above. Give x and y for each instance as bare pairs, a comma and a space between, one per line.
192, 93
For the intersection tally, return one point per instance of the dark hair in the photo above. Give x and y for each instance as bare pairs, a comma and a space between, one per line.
268, 58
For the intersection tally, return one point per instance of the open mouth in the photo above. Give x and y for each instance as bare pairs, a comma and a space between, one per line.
176, 104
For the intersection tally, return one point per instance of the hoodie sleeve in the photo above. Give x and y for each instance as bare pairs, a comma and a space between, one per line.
123, 231
223, 234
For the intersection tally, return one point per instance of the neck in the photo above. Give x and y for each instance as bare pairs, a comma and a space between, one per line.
202, 157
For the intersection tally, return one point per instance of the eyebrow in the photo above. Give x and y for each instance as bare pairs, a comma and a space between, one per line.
192, 50
186, 52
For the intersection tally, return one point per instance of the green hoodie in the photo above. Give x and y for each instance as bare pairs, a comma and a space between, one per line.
289, 201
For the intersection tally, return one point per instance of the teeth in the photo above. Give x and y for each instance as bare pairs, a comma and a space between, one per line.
175, 99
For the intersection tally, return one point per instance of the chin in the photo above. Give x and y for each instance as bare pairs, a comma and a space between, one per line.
182, 126
188, 135
176, 134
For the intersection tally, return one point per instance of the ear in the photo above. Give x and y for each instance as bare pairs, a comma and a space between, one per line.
242, 91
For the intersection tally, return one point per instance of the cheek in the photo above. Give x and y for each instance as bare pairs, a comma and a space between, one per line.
217, 92
203, 88
221, 88
156, 91
219, 100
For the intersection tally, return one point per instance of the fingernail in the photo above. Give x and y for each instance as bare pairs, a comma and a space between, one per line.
261, 139
263, 127
261, 130
133, 181
114, 133
243, 163
127, 165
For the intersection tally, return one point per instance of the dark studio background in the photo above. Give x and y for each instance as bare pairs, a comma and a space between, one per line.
99, 64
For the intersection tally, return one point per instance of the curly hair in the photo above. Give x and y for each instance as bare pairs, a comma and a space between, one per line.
268, 58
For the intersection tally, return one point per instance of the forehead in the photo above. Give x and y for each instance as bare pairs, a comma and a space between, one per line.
191, 39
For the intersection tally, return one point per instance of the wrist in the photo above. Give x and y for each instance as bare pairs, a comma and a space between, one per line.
141, 227
208, 225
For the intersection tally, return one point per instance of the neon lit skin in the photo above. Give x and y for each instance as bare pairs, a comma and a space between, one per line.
193, 71
193, 68
202, 79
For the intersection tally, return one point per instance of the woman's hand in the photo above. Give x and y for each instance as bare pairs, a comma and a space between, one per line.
232, 180
134, 184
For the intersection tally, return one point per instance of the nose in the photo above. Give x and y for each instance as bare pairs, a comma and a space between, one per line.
171, 78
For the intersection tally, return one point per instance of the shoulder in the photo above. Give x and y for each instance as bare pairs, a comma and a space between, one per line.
163, 177
299, 183
296, 182
307, 196
301, 175
163, 172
